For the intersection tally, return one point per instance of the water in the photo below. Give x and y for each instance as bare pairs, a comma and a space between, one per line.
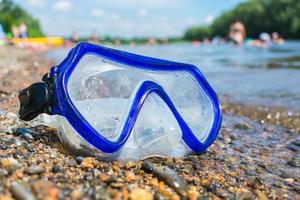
266, 76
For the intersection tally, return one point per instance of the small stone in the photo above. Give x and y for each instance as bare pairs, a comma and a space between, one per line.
10, 164
56, 168
16, 141
297, 142
130, 176
193, 193
34, 170
3, 173
5, 140
257, 184
212, 187
104, 177
19, 192
24, 131
4, 147
117, 185
46, 190
261, 195
159, 196
287, 175
71, 163
88, 162
130, 164
79, 159
139, 193
167, 175
76, 194
293, 147
30, 149
27, 137
4, 197
294, 162
242, 126
11, 115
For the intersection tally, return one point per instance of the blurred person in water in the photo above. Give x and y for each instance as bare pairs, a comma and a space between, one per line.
15, 31
22, 30
71, 41
94, 39
276, 38
237, 32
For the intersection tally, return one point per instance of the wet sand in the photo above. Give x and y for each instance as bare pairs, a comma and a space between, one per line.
256, 155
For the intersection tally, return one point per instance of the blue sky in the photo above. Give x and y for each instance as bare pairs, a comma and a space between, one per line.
125, 18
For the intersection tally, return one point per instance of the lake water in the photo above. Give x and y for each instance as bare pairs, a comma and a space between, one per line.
265, 76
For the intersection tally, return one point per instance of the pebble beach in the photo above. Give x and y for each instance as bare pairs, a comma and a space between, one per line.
256, 155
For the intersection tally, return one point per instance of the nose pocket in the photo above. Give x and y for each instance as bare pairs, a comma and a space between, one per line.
156, 130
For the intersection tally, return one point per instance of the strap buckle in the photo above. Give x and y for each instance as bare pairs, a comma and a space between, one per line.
36, 99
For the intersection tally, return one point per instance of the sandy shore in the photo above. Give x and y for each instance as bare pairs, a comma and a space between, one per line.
256, 155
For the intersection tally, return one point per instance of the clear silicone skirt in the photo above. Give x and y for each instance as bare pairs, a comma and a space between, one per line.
105, 92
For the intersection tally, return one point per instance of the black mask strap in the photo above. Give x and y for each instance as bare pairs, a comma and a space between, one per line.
36, 99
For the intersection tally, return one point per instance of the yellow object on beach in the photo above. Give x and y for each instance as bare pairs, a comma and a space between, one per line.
52, 41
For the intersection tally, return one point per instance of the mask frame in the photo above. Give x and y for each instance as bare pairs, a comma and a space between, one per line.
63, 105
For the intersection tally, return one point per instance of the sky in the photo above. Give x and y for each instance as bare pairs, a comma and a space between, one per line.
124, 18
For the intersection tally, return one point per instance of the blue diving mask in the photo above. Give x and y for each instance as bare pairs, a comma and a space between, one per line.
118, 105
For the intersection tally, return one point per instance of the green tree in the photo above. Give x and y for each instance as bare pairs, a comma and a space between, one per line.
198, 33
12, 14
259, 16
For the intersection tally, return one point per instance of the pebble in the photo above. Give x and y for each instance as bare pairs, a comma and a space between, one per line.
79, 159
257, 184
16, 141
242, 126
24, 131
293, 147
296, 142
46, 190
261, 195
30, 149
5, 197
27, 137
294, 162
2, 112
130, 176
139, 193
3, 172
287, 175
56, 168
34, 170
88, 162
71, 162
19, 192
166, 175
10, 164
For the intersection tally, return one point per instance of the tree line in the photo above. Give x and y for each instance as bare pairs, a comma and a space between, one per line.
12, 14
282, 16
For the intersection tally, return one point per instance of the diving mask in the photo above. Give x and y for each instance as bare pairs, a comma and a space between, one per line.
118, 105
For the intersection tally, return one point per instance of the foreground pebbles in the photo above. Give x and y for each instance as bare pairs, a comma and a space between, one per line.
248, 160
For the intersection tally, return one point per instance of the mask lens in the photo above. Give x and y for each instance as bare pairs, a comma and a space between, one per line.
103, 92
156, 130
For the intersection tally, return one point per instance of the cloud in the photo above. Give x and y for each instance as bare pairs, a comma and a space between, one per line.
37, 3
115, 16
62, 5
97, 12
143, 12
191, 21
209, 19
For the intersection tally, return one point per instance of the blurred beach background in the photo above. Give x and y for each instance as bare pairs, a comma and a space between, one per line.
261, 67
249, 50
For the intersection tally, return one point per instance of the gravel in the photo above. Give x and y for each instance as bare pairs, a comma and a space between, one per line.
249, 160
